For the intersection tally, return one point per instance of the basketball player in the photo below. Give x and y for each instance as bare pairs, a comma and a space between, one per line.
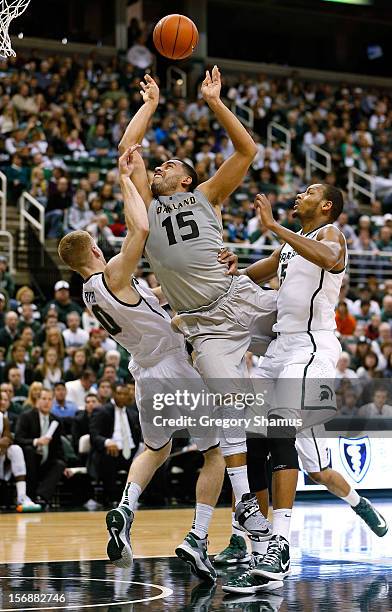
133, 317
310, 265
216, 311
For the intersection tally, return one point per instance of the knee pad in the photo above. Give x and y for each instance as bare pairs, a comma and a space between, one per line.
284, 455
257, 456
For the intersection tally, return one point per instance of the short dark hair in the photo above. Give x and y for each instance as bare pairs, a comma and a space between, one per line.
192, 173
60, 383
334, 195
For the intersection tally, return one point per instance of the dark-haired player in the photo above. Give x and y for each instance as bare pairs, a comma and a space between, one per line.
216, 311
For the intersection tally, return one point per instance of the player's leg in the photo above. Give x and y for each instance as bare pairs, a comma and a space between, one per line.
15, 456
119, 521
193, 550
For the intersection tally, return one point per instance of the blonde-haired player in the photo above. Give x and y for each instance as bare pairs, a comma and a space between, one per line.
134, 318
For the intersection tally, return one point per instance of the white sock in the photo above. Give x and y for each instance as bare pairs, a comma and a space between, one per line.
239, 481
259, 548
131, 495
352, 498
234, 528
21, 491
281, 522
201, 520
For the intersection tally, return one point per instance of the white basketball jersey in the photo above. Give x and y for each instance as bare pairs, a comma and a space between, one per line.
143, 329
307, 294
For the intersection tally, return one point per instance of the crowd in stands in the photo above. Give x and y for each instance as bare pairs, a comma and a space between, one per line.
61, 119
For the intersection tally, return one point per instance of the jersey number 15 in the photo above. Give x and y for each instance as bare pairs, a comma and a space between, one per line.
181, 223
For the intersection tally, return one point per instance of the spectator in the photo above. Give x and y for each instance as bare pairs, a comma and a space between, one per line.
102, 235
19, 390
104, 392
25, 295
369, 370
54, 339
43, 454
99, 144
3, 309
139, 55
19, 360
349, 404
58, 202
343, 370
78, 389
27, 319
74, 336
62, 301
9, 332
7, 284
18, 178
378, 407
115, 436
386, 312
345, 323
79, 216
109, 373
33, 395
78, 364
50, 371
81, 425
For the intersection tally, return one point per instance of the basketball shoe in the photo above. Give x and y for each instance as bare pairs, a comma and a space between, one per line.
235, 552
119, 549
250, 519
371, 517
193, 551
248, 583
275, 564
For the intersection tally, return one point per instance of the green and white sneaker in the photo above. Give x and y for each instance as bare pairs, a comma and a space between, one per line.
235, 552
249, 584
371, 517
119, 549
193, 551
249, 603
275, 564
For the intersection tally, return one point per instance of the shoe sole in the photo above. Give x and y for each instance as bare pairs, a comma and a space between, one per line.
192, 560
118, 549
272, 586
271, 575
232, 561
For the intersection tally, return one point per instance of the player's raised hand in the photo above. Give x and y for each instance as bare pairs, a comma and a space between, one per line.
126, 162
264, 211
211, 86
149, 90
230, 259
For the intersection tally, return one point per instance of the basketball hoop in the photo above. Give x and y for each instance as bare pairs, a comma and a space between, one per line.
9, 9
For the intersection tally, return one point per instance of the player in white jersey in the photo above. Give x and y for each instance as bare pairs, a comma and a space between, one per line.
302, 360
133, 317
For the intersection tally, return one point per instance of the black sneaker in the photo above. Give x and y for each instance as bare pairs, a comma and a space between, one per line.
119, 549
250, 519
371, 517
275, 564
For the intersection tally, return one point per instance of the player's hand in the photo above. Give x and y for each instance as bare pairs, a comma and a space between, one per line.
225, 256
264, 211
149, 90
211, 86
125, 162
112, 449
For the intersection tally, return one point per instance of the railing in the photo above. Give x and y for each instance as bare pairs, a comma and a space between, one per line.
11, 250
25, 202
3, 200
313, 162
354, 186
177, 77
244, 113
271, 137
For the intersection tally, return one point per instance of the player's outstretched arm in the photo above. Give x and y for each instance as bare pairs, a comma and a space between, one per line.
135, 133
120, 268
328, 251
259, 272
230, 175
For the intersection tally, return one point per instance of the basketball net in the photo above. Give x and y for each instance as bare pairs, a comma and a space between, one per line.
9, 9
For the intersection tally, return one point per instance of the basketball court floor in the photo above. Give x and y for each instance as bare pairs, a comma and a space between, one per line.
338, 564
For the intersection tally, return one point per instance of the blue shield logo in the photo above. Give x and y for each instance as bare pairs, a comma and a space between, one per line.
355, 456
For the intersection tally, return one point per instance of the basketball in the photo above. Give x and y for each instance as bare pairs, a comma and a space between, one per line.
175, 36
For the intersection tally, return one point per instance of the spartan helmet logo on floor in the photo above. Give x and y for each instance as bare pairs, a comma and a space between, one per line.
326, 393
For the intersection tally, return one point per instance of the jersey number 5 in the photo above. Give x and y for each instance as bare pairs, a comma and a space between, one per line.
106, 320
181, 222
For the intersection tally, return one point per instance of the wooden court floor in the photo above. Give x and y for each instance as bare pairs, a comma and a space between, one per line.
65, 536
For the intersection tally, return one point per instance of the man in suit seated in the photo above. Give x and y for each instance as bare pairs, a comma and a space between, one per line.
81, 425
115, 436
43, 453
